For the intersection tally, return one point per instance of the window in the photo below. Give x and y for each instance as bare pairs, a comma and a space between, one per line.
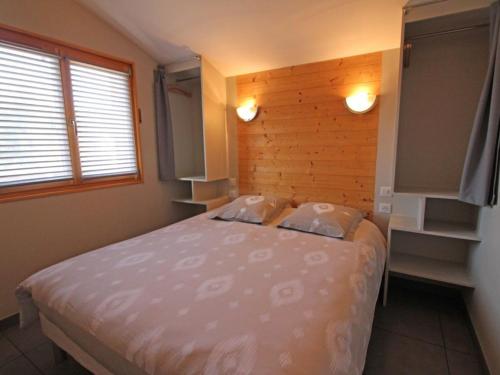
33, 138
103, 121
67, 119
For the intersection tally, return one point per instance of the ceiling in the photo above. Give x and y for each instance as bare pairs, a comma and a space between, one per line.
242, 36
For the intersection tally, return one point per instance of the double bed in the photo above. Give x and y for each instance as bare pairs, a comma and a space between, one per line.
206, 296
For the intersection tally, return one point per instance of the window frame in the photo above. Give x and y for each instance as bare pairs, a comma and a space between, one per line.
67, 52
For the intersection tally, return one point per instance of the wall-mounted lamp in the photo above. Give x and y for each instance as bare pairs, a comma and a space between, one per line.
247, 111
360, 102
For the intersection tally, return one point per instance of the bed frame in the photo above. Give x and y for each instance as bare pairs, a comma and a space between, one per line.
62, 344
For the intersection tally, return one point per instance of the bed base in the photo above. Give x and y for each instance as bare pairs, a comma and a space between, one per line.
63, 344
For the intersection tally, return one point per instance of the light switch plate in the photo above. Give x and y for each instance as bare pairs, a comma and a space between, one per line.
385, 191
385, 208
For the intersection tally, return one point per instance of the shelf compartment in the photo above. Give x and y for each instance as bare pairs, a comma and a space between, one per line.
209, 203
428, 193
438, 228
451, 218
463, 231
404, 223
431, 269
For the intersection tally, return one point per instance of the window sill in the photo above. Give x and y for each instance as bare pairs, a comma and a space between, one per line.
65, 188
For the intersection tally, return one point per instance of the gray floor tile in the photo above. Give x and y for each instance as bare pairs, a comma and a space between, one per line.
456, 332
68, 367
42, 357
463, 364
19, 366
26, 338
392, 354
411, 315
7, 351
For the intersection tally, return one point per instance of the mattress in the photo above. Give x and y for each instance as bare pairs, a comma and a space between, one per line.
206, 296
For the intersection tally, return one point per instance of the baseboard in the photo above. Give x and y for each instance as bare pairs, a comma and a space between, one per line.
9, 321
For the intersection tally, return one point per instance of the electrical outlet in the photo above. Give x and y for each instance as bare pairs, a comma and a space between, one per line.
385, 208
385, 191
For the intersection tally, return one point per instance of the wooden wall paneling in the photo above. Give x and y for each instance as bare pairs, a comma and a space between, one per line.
304, 144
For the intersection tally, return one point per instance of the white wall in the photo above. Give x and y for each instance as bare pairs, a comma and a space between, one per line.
387, 130
484, 302
39, 232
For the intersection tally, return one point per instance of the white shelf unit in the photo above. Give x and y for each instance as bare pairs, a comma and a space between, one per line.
448, 272
430, 235
208, 194
197, 97
209, 204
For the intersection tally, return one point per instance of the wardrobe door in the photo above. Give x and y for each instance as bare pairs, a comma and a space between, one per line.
214, 122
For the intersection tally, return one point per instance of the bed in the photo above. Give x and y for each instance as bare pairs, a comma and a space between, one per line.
213, 297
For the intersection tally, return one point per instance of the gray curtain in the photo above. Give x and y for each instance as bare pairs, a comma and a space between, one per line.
479, 183
164, 133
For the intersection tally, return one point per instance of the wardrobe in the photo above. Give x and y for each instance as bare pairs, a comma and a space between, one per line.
431, 233
197, 98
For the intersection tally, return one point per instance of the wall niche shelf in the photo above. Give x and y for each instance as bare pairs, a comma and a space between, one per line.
430, 238
462, 231
447, 272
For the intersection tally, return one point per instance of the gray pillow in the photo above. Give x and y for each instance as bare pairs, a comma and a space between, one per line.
256, 209
327, 219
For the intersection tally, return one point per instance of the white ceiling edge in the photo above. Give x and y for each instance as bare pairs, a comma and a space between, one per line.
246, 36
443, 8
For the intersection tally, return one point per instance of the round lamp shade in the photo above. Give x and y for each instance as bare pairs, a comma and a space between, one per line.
361, 102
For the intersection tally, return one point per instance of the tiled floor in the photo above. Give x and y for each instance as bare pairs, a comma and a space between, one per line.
421, 331
29, 352
417, 333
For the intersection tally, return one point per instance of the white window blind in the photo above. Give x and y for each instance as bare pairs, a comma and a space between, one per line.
104, 122
33, 136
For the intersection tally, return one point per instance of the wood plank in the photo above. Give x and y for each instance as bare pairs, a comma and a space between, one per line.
338, 168
332, 123
303, 194
304, 143
315, 67
305, 95
299, 152
357, 75
307, 110
366, 138
353, 183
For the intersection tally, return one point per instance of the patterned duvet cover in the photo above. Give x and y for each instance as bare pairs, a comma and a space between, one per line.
214, 297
